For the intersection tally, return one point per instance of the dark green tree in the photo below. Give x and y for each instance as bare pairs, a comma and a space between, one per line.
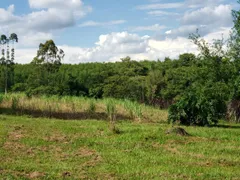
46, 66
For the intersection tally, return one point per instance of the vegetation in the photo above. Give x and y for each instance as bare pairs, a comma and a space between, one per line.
53, 149
80, 108
125, 107
7, 60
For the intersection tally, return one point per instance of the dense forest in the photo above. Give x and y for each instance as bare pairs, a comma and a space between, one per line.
197, 89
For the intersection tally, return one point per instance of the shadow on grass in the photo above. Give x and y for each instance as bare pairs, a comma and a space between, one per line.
227, 126
61, 115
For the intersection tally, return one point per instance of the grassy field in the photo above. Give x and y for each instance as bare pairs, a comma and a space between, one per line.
40, 148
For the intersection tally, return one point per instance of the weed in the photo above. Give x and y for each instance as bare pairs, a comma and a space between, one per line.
111, 112
92, 107
15, 101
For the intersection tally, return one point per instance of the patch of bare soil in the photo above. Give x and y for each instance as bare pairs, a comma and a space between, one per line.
108, 176
228, 163
12, 142
14, 146
92, 162
66, 174
35, 175
202, 164
172, 149
85, 152
58, 138
22, 174
16, 134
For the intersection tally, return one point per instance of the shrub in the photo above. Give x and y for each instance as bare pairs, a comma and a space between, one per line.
200, 105
19, 87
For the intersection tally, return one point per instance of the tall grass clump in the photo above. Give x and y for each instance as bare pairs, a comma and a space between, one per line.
134, 109
111, 111
1, 98
15, 102
92, 106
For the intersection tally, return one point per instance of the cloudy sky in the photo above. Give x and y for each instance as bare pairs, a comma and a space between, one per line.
107, 30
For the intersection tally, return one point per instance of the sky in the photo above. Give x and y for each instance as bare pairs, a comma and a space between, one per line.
108, 30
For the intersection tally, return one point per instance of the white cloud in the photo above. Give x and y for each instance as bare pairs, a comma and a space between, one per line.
55, 3
24, 56
50, 19
206, 20
160, 6
7, 16
33, 39
155, 27
77, 7
111, 47
38, 26
48, 16
94, 23
202, 3
162, 13
219, 15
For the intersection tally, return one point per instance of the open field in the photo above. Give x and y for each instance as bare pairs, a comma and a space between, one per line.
55, 149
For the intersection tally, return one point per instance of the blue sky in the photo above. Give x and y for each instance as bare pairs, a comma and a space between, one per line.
93, 30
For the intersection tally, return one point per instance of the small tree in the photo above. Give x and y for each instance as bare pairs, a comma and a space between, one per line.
201, 105
204, 102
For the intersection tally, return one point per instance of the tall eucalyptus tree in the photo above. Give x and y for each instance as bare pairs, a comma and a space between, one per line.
7, 58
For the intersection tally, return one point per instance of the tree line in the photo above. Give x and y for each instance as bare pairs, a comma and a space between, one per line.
198, 90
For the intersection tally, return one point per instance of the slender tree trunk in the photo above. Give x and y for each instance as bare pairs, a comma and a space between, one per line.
6, 80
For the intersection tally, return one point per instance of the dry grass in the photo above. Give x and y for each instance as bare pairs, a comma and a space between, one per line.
79, 108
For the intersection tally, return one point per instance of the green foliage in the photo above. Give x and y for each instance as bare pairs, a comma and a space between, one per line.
200, 86
201, 105
41, 90
7, 61
49, 54
19, 87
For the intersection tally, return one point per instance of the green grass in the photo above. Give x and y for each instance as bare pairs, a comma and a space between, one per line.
55, 149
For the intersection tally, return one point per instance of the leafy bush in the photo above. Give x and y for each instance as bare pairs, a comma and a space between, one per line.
41, 90
200, 105
19, 87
